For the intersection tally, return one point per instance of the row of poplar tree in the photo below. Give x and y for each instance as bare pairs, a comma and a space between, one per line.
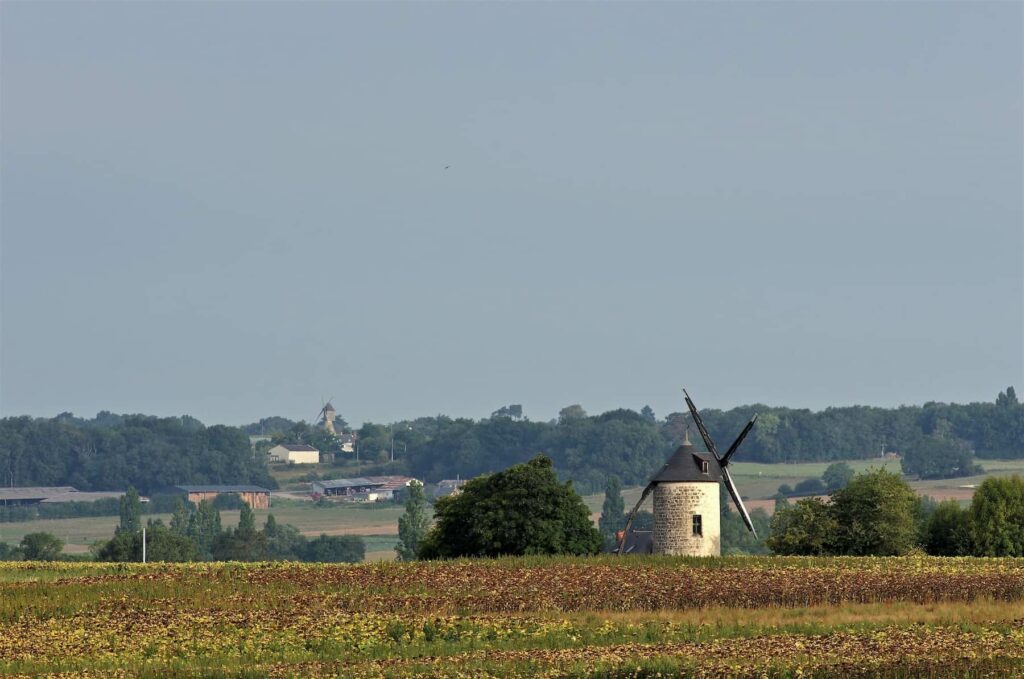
196, 533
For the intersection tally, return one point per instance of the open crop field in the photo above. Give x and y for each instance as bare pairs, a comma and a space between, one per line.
722, 617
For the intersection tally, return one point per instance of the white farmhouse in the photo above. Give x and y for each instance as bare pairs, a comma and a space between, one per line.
296, 453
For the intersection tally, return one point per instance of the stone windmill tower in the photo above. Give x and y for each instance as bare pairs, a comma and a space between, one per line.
328, 413
686, 498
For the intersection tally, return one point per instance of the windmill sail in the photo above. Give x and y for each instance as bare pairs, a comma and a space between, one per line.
723, 461
727, 478
632, 515
738, 441
700, 427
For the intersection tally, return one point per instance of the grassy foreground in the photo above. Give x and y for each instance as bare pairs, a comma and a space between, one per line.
734, 616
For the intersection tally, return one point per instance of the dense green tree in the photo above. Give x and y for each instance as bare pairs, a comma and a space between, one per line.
570, 413
268, 426
204, 527
413, 524
936, 457
1007, 399
9, 552
41, 547
924, 507
130, 512
808, 528
180, 518
161, 545
946, 530
613, 512
513, 411
875, 515
737, 538
522, 510
837, 475
648, 414
283, 541
242, 543
123, 547
995, 519
335, 549
810, 487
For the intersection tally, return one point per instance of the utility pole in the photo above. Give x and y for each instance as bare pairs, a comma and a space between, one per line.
143, 544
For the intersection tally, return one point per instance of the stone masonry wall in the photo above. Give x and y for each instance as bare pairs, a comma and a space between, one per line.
674, 507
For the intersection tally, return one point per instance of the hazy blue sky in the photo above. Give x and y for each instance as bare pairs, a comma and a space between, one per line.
233, 210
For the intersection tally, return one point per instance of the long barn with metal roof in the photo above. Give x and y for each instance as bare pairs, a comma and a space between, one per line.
256, 497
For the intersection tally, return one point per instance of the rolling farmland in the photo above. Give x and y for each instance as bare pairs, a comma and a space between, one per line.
734, 616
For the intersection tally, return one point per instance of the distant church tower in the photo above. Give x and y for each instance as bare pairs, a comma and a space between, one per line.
329, 413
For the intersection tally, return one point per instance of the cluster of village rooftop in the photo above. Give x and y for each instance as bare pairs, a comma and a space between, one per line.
361, 489
378, 488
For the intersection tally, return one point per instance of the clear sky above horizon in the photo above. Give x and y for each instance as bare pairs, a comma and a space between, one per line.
235, 210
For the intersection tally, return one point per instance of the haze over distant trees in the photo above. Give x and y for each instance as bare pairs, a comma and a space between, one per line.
631, 445
112, 452
115, 451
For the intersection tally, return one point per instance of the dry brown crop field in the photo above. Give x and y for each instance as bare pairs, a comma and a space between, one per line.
551, 617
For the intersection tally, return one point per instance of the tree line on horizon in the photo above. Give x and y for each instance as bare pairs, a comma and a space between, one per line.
937, 439
114, 451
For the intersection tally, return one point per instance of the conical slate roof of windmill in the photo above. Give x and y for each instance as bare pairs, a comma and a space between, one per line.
330, 407
686, 464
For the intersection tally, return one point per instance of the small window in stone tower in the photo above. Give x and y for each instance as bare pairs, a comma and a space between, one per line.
704, 466
697, 528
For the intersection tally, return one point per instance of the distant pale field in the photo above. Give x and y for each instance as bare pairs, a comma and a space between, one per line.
757, 482
339, 519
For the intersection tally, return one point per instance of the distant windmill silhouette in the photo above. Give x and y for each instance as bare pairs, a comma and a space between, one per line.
326, 416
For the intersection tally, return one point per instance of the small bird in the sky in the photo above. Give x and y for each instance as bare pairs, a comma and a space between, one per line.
447, 166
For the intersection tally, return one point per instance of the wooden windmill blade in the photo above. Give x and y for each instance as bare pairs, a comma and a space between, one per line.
723, 460
727, 479
700, 426
632, 515
739, 439
316, 418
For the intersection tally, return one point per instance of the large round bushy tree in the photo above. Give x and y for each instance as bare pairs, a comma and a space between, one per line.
522, 510
936, 457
